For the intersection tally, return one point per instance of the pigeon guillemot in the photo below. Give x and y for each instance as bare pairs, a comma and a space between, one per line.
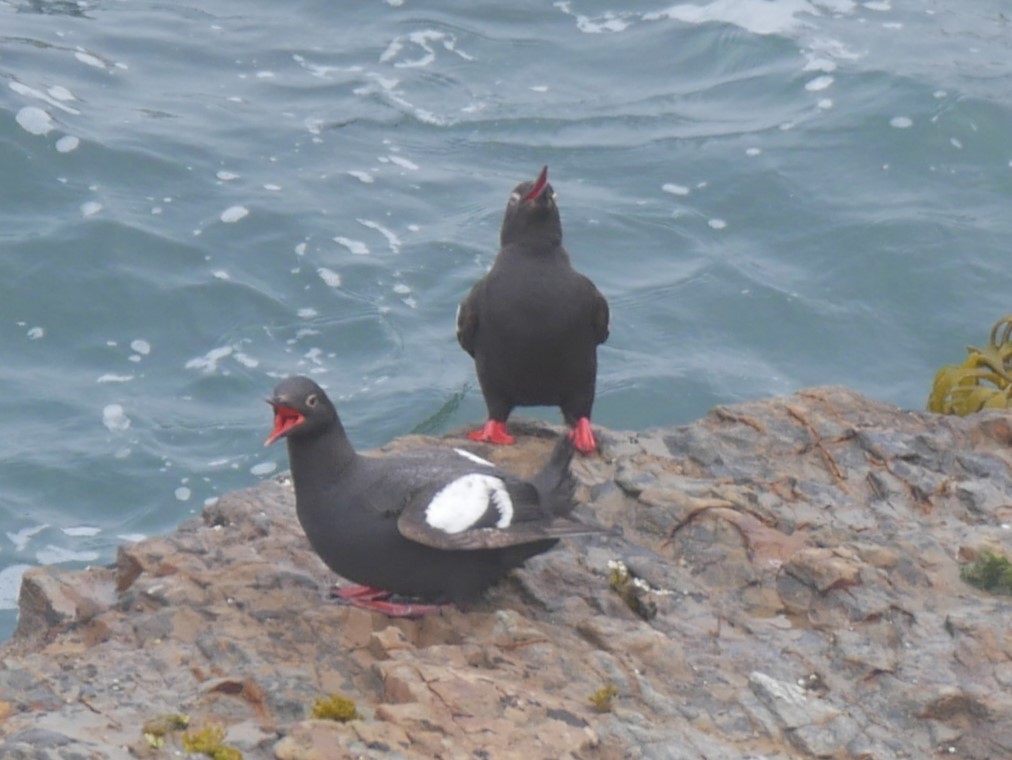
533, 323
436, 524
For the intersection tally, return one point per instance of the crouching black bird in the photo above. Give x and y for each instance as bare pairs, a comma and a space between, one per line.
436, 524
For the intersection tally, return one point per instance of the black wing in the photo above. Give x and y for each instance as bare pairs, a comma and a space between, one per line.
600, 315
467, 320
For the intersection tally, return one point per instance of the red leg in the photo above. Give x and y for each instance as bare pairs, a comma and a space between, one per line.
368, 598
398, 610
583, 437
359, 593
493, 432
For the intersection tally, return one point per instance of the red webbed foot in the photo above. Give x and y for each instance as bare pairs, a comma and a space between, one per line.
375, 599
493, 432
401, 610
583, 437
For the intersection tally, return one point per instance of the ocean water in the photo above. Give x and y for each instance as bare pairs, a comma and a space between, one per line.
199, 199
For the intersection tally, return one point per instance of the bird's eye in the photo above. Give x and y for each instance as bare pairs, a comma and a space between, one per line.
312, 400
514, 197
555, 195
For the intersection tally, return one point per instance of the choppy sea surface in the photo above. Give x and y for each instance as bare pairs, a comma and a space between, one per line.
199, 199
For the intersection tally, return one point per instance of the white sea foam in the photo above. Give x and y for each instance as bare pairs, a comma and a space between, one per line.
901, 122
112, 378
320, 70
756, 16
225, 176
717, 224
361, 176
81, 530
90, 59
36, 333
817, 63
819, 83
423, 39
221, 274
263, 468
330, 277
233, 214
392, 240
54, 555
670, 187
401, 288
67, 143
34, 120
403, 162
355, 246
51, 97
307, 313
182, 493
246, 360
208, 363
141, 346
608, 22
90, 208
114, 417
58, 92
21, 537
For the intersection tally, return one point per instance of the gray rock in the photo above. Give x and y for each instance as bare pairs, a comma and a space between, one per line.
802, 555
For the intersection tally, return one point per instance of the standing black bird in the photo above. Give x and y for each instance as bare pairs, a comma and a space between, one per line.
533, 323
437, 524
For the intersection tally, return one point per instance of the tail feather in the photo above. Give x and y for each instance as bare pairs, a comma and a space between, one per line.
555, 482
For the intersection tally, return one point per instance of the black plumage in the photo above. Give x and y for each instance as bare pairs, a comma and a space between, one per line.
436, 524
533, 323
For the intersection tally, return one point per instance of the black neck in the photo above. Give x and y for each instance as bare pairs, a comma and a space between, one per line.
317, 461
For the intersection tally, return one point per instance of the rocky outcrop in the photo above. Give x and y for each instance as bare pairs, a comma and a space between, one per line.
791, 590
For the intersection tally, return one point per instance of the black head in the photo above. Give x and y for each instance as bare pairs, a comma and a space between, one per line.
531, 214
301, 408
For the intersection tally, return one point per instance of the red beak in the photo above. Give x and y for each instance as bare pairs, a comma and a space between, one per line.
285, 418
539, 185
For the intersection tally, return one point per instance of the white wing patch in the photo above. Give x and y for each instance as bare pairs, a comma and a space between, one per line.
474, 457
461, 503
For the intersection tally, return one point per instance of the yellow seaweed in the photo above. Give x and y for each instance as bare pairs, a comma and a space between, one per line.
983, 381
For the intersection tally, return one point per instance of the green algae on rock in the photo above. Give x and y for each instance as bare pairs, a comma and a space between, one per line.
989, 572
335, 707
604, 698
209, 741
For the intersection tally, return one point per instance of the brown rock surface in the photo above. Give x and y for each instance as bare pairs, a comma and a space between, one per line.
802, 556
